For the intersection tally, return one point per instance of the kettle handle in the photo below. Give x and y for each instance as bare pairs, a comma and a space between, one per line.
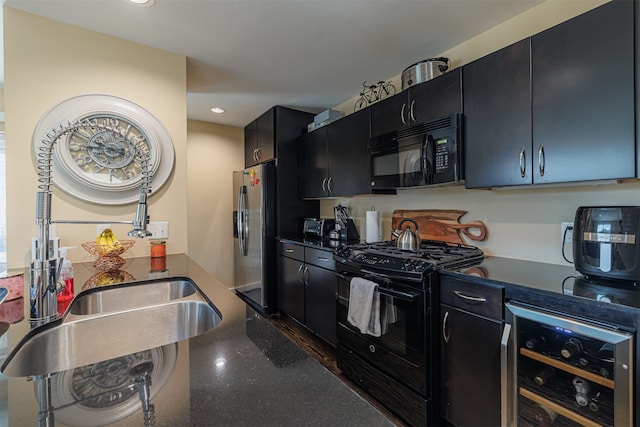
410, 220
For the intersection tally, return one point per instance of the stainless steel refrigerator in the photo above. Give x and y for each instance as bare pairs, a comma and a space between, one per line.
254, 231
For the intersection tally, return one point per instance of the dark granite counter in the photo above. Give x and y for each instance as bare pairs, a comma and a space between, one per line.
560, 288
244, 372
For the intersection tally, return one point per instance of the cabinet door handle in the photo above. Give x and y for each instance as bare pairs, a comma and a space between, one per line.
541, 159
254, 154
411, 111
504, 366
258, 155
306, 275
323, 259
469, 297
288, 250
523, 162
402, 114
330, 185
300, 278
445, 335
324, 185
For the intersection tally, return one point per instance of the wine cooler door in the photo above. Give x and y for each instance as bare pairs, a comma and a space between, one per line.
569, 372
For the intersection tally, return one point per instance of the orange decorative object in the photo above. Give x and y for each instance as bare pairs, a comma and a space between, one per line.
158, 249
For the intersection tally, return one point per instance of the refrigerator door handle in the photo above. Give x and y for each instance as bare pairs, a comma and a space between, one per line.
242, 238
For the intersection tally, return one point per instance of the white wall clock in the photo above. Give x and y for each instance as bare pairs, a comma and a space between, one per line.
98, 166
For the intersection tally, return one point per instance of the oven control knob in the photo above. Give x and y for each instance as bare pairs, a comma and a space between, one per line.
413, 265
343, 251
372, 348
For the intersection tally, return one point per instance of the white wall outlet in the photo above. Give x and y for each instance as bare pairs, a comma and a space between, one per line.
568, 238
101, 227
158, 229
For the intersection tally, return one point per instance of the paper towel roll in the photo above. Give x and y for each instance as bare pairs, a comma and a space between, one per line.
372, 227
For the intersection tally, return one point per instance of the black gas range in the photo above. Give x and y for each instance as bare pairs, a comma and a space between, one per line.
399, 367
413, 266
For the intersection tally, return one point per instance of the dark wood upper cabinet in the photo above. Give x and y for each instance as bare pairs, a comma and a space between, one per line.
334, 160
557, 107
497, 118
348, 140
259, 145
583, 97
433, 99
275, 135
313, 167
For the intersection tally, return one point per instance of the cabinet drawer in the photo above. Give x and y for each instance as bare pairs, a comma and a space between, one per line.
291, 250
320, 258
484, 299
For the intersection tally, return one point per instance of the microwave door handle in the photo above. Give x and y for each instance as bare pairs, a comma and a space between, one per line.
426, 146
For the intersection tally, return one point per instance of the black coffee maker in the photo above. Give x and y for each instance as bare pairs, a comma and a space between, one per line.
606, 242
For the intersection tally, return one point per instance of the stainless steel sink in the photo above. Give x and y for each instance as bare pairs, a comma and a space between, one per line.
123, 298
105, 323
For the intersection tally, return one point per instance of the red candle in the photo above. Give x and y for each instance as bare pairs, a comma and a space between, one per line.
158, 249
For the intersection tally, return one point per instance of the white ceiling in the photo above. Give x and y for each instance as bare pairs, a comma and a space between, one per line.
248, 55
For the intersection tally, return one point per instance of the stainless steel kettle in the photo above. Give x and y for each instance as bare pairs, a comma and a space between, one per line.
407, 240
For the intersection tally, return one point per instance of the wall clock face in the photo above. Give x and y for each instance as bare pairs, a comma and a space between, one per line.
100, 166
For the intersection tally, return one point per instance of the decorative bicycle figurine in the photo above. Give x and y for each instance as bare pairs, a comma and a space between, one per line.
374, 93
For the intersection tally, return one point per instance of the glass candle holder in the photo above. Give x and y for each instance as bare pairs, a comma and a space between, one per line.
158, 249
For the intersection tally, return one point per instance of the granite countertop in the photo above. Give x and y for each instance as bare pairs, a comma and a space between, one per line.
244, 372
560, 288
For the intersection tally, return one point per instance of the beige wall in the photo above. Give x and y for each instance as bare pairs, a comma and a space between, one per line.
214, 152
47, 62
522, 223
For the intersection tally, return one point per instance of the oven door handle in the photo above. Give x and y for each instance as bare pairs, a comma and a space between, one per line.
405, 296
387, 278
397, 294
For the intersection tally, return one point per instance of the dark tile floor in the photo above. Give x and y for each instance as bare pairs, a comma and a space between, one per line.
325, 354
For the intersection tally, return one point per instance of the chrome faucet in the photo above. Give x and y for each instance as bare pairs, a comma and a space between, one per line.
45, 268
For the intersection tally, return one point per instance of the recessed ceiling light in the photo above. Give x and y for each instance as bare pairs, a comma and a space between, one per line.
217, 110
146, 3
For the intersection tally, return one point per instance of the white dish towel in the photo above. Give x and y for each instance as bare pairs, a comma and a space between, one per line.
364, 306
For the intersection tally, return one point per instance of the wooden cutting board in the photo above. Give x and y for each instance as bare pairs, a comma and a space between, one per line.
440, 224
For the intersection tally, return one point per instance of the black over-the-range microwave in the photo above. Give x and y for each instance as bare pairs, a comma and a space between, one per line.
426, 154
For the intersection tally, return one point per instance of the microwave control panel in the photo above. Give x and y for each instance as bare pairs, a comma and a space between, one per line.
441, 154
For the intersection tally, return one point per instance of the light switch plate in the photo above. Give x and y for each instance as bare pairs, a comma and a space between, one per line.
158, 229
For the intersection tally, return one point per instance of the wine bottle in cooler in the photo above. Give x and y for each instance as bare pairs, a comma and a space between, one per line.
571, 348
544, 375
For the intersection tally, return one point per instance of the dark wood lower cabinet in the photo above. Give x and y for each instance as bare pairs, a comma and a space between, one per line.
320, 302
291, 288
307, 289
470, 368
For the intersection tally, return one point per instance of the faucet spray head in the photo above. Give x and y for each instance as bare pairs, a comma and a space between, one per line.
142, 219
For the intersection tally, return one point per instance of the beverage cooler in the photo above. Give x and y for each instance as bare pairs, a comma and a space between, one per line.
567, 371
